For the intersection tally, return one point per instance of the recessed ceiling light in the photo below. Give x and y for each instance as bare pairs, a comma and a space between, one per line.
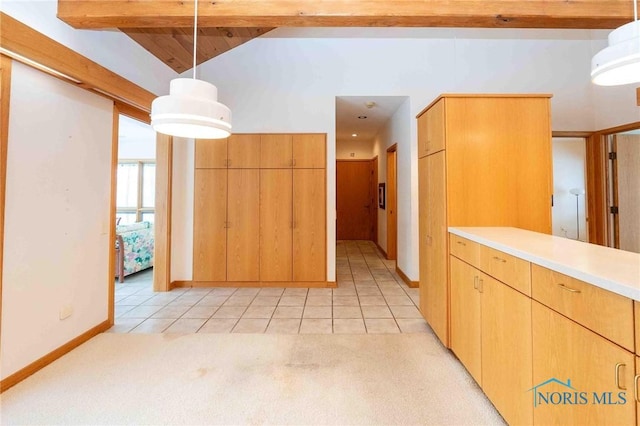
362, 117
354, 135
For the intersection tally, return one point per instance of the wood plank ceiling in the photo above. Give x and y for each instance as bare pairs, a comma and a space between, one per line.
174, 46
161, 26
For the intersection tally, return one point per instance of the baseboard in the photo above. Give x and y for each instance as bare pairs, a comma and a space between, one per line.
382, 250
39, 364
292, 284
411, 284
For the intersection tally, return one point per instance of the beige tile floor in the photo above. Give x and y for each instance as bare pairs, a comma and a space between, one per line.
370, 298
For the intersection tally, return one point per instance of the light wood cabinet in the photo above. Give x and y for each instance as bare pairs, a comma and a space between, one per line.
309, 151
260, 210
276, 151
238, 151
565, 350
491, 336
465, 317
276, 225
486, 161
243, 225
309, 225
434, 293
210, 221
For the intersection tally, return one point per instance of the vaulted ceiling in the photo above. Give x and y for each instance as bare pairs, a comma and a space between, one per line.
165, 27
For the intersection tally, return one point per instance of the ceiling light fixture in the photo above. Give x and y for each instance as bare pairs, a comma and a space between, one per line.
619, 63
191, 110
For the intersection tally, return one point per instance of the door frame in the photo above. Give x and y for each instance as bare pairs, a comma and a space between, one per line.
392, 202
373, 235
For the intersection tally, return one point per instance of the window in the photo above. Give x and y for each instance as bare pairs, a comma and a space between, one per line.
136, 191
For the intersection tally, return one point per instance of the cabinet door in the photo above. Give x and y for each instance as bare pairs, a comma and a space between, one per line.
423, 236
211, 153
465, 316
436, 291
243, 151
275, 225
209, 223
276, 151
309, 151
506, 350
309, 225
435, 128
243, 222
564, 350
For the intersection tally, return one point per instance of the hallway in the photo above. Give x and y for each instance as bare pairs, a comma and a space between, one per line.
370, 298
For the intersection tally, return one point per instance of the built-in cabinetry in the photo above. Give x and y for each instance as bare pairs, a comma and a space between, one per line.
484, 160
545, 325
259, 210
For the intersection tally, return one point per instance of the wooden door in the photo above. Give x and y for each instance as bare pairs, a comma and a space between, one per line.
243, 225
309, 151
209, 223
392, 204
309, 225
628, 191
506, 349
243, 151
353, 200
276, 225
276, 151
564, 350
436, 291
435, 128
465, 316
211, 153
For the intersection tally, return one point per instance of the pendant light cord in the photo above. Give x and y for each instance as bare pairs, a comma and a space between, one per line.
195, 35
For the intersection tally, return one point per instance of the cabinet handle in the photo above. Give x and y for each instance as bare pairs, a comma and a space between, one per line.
618, 365
480, 285
635, 387
499, 259
475, 282
462, 243
572, 290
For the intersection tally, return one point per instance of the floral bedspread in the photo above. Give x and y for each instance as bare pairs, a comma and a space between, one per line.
138, 239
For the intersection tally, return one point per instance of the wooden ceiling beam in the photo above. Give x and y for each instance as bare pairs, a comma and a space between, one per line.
587, 14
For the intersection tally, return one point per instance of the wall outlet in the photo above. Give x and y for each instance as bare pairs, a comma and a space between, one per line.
66, 311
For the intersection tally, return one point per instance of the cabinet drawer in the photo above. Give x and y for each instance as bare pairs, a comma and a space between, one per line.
602, 311
464, 249
511, 270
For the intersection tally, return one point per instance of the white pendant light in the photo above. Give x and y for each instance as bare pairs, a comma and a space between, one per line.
619, 63
191, 110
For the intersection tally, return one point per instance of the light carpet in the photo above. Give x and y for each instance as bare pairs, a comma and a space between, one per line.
251, 379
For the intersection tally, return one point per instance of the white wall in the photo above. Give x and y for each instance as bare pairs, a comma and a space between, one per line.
398, 130
57, 216
569, 156
136, 140
182, 209
112, 49
361, 150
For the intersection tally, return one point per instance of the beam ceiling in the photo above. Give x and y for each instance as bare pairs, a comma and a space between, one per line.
586, 14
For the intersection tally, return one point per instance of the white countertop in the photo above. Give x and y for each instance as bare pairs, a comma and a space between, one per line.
615, 270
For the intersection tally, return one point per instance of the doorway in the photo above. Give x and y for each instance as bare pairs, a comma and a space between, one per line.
392, 202
356, 183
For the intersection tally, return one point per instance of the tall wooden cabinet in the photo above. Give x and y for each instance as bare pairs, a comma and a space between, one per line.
484, 160
260, 210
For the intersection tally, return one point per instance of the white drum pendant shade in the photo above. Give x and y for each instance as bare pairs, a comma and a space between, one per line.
191, 110
619, 63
